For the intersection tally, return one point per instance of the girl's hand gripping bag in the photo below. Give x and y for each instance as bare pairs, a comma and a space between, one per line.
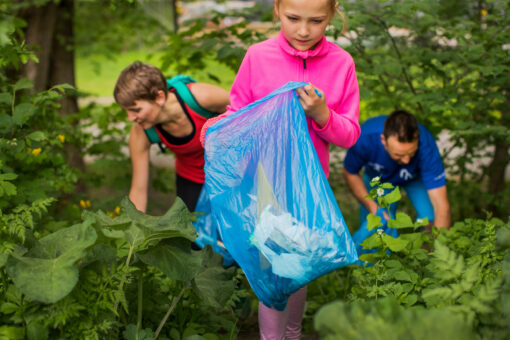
270, 200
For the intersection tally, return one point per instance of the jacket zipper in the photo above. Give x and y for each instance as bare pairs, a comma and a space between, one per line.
304, 63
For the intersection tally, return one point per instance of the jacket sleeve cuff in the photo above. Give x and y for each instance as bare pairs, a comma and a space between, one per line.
319, 129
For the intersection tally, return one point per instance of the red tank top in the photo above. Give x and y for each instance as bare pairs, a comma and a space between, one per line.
189, 157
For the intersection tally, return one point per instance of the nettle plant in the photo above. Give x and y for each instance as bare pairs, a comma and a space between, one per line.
457, 272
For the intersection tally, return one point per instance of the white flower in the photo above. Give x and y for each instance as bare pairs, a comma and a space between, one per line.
420, 220
379, 232
378, 178
380, 192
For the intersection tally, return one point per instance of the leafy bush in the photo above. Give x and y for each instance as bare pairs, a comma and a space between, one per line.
457, 272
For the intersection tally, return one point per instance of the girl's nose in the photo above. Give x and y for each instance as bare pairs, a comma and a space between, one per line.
303, 30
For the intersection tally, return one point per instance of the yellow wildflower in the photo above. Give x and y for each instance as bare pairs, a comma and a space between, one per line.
484, 12
117, 210
83, 205
36, 152
87, 203
62, 138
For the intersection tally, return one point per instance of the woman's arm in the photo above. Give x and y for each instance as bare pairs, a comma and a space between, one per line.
139, 147
211, 97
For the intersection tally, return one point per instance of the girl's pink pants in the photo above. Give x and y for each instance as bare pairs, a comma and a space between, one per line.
286, 325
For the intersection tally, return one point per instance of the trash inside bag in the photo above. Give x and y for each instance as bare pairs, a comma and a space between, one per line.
270, 200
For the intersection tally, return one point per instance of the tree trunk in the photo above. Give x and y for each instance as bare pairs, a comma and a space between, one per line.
175, 15
39, 34
50, 32
61, 71
497, 175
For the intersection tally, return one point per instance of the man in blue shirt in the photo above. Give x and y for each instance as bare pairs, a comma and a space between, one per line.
402, 152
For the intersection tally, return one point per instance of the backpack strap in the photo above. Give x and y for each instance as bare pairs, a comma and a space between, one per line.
153, 137
179, 83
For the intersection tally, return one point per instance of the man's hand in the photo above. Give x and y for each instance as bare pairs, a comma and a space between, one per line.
439, 199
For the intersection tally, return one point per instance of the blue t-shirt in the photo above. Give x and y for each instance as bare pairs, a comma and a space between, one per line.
369, 152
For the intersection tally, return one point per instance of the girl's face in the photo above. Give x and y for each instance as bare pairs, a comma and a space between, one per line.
303, 21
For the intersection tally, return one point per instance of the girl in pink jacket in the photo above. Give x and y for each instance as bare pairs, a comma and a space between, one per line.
330, 101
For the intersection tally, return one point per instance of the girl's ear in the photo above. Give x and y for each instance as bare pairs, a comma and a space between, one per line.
276, 13
160, 98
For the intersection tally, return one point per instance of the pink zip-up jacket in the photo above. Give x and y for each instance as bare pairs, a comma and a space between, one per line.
272, 63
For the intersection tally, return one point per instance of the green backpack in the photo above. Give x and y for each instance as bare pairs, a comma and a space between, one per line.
179, 83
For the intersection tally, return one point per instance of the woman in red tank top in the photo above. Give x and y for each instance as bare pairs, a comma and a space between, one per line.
142, 91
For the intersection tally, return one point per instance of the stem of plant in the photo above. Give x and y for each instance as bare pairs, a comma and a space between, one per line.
140, 299
121, 285
170, 310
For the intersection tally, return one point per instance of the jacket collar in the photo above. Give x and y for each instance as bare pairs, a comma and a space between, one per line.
319, 50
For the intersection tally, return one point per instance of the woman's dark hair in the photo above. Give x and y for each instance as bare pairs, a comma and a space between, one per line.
403, 125
139, 81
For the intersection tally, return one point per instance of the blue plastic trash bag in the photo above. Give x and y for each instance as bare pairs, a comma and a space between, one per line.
270, 199
207, 228
363, 233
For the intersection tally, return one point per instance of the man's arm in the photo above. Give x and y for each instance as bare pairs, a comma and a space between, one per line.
439, 199
358, 189
139, 149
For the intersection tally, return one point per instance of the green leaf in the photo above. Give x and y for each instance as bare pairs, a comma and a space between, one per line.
12, 333
395, 244
393, 264
214, 286
373, 221
402, 275
6, 98
173, 262
8, 308
5, 123
37, 136
132, 333
3, 260
374, 241
176, 222
402, 220
7, 189
8, 176
37, 331
22, 113
23, 83
387, 185
48, 272
393, 196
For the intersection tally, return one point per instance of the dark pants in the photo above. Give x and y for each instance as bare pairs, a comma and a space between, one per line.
188, 191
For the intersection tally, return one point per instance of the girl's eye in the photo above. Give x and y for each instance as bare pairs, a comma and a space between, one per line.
317, 21
292, 18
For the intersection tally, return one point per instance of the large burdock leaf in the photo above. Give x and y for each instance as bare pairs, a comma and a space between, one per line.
48, 272
176, 222
214, 284
140, 229
174, 262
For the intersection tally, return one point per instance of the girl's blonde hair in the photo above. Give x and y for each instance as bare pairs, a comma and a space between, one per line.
333, 5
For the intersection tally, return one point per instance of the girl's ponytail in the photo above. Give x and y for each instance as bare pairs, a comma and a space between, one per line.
343, 17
